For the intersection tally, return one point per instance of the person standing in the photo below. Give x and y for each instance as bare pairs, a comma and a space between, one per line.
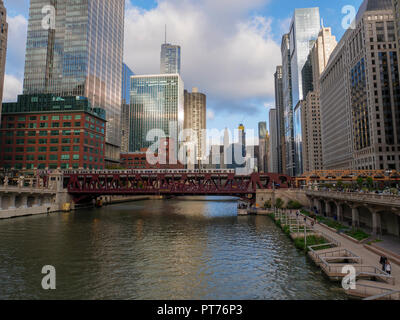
382, 261
388, 267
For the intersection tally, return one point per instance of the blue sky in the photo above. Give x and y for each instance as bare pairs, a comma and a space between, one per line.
230, 48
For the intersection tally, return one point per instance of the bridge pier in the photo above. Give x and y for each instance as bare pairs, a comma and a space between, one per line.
1, 202
328, 210
355, 217
12, 203
24, 202
339, 211
376, 222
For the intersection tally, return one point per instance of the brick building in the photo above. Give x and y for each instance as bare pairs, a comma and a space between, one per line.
49, 132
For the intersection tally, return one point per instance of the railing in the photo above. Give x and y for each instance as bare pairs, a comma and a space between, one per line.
371, 271
362, 289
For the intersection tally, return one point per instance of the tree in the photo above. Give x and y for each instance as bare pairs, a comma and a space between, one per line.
360, 181
279, 203
267, 204
370, 182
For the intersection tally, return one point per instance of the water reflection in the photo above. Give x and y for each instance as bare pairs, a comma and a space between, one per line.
192, 249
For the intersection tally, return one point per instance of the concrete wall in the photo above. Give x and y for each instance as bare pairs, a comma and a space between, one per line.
285, 194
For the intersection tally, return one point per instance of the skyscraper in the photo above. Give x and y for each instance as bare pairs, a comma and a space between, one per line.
157, 102
304, 28
288, 156
311, 115
396, 8
125, 107
273, 153
80, 55
3, 48
360, 94
195, 119
170, 59
280, 120
262, 147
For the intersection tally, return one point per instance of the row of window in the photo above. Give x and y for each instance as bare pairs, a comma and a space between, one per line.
31, 166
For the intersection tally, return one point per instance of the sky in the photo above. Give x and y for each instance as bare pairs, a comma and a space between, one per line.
230, 48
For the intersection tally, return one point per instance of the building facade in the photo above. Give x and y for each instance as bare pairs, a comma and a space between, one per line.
311, 115
262, 147
273, 154
288, 156
79, 53
3, 48
157, 102
366, 64
50, 132
195, 110
125, 107
304, 30
280, 119
170, 59
396, 8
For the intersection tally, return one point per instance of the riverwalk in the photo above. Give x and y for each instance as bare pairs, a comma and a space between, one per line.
355, 254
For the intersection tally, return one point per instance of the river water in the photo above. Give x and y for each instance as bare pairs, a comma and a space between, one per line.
166, 249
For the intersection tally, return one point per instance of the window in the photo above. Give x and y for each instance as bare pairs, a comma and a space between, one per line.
32, 126
20, 141
55, 118
53, 149
30, 149
19, 149
32, 118
21, 119
76, 140
65, 157
78, 117
65, 141
67, 118
30, 157
67, 124
75, 157
42, 157
76, 148
42, 141
55, 133
77, 124
54, 141
43, 133
66, 132
53, 157
55, 125
65, 149
42, 149
19, 157
44, 125
44, 118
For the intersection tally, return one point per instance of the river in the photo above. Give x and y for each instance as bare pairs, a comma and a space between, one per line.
164, 249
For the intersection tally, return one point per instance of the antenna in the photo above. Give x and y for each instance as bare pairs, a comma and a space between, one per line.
165, 34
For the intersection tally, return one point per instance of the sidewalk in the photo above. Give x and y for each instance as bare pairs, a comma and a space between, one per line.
368, 257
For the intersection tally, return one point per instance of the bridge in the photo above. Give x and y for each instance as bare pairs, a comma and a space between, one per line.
81, 184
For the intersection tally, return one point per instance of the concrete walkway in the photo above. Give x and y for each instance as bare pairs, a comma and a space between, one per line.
368, 257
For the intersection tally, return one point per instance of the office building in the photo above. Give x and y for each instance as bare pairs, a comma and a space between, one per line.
125, 107
195, 109
311, 115
304, 30
396, 8
50, 132
157, 102
3, 48
80, 55
273, 154
360, 94
262, 147
280, 119
288, 156
170, 59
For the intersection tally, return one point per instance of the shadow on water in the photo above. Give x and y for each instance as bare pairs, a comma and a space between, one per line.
192, 249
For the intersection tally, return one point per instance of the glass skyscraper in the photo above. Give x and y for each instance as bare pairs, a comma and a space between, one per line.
157, 102
125, 107
170, 59
81, 56
304, 28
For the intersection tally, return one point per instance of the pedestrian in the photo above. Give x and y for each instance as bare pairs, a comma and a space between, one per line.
297, 214
388, 267
382, 261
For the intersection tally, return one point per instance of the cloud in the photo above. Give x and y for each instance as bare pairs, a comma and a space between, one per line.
210, 115
12, 88
226, 51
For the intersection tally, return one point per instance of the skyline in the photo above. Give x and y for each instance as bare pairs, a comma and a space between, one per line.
239, 86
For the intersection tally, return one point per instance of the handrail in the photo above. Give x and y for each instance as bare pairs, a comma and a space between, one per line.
382, 295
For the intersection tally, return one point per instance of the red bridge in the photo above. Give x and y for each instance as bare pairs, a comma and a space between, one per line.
170, 182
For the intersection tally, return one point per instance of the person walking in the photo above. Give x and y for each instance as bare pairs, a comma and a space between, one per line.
388, 267
382, 261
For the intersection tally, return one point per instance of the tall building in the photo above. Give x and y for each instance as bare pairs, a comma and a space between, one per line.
304, 30
280, 119
170, 59
157, 102
262, 147
311, 115
273, 154
195, 109
80, 55
288, 156
242, 138
396, 8
3, 48
125, 107
49, 132
360, 94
